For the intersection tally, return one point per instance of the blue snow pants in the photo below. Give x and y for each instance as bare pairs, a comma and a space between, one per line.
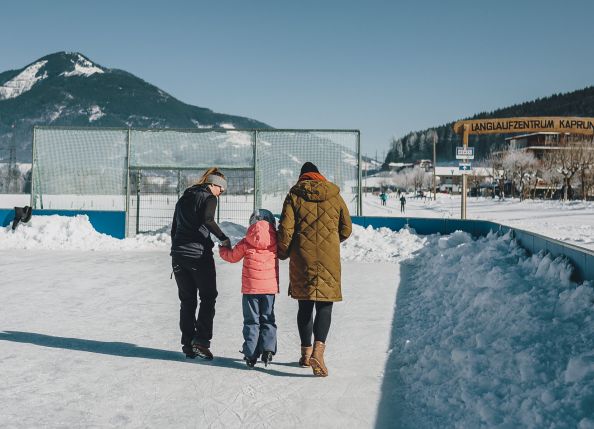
259, 327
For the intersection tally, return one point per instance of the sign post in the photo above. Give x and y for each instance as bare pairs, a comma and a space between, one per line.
434, 138
463, 206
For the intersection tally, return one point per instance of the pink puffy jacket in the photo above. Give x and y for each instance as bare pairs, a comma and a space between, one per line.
260, 263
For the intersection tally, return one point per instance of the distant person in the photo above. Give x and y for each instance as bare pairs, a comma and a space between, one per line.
402, 203
259, 285
383, 198
193, 262
314, 221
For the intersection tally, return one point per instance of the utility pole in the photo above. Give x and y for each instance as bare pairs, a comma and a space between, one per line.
434, 135
11, 173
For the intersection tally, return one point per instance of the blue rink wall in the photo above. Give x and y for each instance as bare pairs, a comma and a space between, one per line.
114, 223
582, 259
106, 222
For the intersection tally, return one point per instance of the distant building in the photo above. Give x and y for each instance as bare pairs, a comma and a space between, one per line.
450, 178
395, 167
427, 164
537, 143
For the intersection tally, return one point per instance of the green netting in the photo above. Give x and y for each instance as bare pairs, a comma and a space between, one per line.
191, 149
97, 168
79, 169
280, 155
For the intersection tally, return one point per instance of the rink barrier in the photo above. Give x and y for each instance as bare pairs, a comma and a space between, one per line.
106, 222
581, 259
114, 223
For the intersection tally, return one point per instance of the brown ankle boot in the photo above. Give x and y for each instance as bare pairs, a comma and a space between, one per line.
305, 355
317, 360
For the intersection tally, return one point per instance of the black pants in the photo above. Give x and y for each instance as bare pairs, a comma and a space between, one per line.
196, 278
307, 324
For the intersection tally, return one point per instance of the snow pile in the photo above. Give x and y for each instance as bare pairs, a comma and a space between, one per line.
64, 232
380, 245
76, 233
22, 82
485, 336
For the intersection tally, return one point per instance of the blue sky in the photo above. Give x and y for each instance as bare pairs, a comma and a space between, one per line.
384, 67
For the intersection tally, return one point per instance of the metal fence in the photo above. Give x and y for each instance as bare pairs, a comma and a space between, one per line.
144, 171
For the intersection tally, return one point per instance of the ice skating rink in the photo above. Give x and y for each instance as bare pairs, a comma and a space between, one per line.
91, 340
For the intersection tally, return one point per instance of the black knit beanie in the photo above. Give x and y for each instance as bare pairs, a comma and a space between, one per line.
309, 167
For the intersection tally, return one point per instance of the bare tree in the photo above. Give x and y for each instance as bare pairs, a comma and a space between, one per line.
585, 150
400, 180
495, 161
521, 165
428, 180
588, 179
418, 177
566, 158
550, 176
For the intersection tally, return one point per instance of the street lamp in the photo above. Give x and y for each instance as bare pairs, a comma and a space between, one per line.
434, 135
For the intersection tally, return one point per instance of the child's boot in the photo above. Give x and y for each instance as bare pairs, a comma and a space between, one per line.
266, 358
250, 362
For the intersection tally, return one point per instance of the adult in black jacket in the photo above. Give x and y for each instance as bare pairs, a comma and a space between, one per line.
193, 262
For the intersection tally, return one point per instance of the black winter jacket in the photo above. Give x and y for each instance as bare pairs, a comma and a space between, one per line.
193, 221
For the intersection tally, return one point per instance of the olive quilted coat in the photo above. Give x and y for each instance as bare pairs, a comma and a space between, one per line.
314, 220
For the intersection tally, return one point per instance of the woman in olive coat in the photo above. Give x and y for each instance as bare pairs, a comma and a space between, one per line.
314, 221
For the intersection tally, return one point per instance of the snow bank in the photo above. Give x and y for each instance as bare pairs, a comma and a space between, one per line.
486, 336
64, 233
380, 245
72, 233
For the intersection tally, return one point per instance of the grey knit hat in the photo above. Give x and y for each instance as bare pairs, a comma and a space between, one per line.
262, 214
213, 179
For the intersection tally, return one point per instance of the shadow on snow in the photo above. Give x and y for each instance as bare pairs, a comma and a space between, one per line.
393, 410
129, 350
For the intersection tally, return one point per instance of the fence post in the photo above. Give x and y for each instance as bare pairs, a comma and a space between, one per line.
33, 169
257, 190
138, 177
359, 178
127, 205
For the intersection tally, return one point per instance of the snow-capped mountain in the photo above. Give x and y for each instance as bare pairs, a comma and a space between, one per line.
69, 89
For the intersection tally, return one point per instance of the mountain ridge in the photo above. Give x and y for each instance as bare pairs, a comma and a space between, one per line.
418, 144
68, 89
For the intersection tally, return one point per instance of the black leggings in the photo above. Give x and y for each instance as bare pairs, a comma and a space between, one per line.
308, 325
196, 279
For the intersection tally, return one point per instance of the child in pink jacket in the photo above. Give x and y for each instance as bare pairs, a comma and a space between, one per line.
259, 285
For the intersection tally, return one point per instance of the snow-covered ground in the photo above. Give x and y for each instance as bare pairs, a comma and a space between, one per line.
438, 331
571, 222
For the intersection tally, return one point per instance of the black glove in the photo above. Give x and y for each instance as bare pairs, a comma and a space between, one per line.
225, 243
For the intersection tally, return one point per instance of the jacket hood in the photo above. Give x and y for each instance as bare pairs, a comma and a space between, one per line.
261, 235
315, 190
